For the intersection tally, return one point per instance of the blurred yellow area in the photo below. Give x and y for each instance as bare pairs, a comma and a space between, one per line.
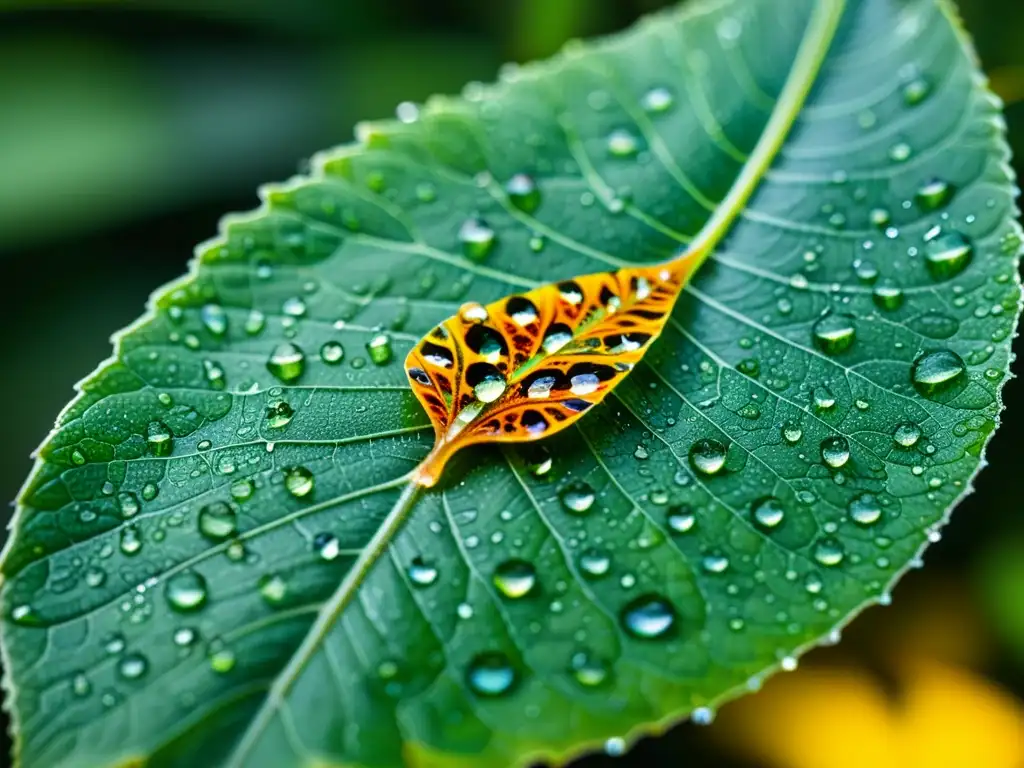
936, 711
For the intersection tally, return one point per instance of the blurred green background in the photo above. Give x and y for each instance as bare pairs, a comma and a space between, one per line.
128, 128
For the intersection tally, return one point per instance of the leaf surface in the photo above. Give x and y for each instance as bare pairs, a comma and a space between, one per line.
221, 558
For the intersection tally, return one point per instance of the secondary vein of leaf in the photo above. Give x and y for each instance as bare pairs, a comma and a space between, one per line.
813, 49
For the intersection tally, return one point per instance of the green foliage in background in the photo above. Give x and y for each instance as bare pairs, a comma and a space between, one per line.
198, 573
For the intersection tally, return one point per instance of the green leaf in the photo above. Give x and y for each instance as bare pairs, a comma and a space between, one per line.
218, 559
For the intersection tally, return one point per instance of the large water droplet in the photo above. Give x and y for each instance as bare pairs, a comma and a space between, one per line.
595, 563
865, 509
829, 552
287, 362
708, 456
768, 512
489, 388
715, 562
948, 255
218, 520
577, 497
523, 192
834, 333
131, 541
477, 238
159, 439
681, 519
515, 578
279, 414
186, 591
648, 617
332, 353
298, 481
887, 295
907, 435
421, 573
379, 349
792, 432
327, 546
622, 143
491, 674
938, 372
934, 194
835, 451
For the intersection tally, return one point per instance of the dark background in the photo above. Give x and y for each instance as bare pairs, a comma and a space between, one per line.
128, 129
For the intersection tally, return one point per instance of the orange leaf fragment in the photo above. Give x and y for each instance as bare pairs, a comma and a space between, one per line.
529, 365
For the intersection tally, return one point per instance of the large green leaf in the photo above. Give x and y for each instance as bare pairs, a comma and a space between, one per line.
218, 559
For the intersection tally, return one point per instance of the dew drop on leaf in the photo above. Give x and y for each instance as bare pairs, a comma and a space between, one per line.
829, 552
681, 519
947, 255
523, 192
491, 674
218, 520
273, 589
934, 194
715, 562
214, 318
657, 100
768, 512
298, 481
907, 435
128, 503
186, 591
937, 372
159, 439
379, 349
587, 670
477, 239
865, 509
332, 353
887, 295
792, 432
595, 563
287, 362
279, 414
184, 636
132, 666
577, 497
835, 451
515, 578
421, 573
834, 333
131, 542
648, 617
708, 456
327, 546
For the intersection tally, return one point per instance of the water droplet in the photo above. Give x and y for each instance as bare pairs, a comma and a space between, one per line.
622, 143
80, 685
477, 239
379, 349
491, 674
648, 617
681, 519
828, 552
865, 509
792, 432
915, 91
934, 194
588, 671
834, 333
279, 414
657, 100
186, 591
255, 322
332, 353
422, 573
768, 512
222, 658
938, 372
327, 546
218, 520
900, 152
214, 318
490, 387
907, 435
184, 636
523, 192
242, 489
708, 456
835, 451
95, 577
129, 504
515, 578
715, 562
556, 337
298, 481
287, 362
159, 438
273, 588
703, 716
641, 453
615, 747
887, 295
947, 255
595, 563
133, 666
131, 542
577, 497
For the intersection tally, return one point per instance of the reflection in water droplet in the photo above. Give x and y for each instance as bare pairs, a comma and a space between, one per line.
622, 143
159, 438
332, 353
577, 497
708, 456
287, 362
595, 563
131, 542
218, 520
681, 519
715, 562
835, 451
587, 670
491, 674
907, 435
887, 295
947, 255
298, 481
792, 432
768, 512
186, 591
214, 318
422, 574
828, 552
523, 192
938, 372
279, 414
515, 578
273, 588
865, 509
379, 349
834, 333
934, 194
133, 666
477, 239
657, 100
648, 617
327, 546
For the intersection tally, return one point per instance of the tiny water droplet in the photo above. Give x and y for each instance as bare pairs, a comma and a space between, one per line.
379, 349
907, 435
657, 100
834, 333
327, 546
587, 670
477, 239
595, 563
214, 318
681, 519
934, 194
159, 439
622, 143
332, 353
273, 588
829, 552
133, 666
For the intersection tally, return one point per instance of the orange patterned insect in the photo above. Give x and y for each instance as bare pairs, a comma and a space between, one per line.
531, 364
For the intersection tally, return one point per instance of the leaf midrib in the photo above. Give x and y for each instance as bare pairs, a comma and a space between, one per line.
814, 47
